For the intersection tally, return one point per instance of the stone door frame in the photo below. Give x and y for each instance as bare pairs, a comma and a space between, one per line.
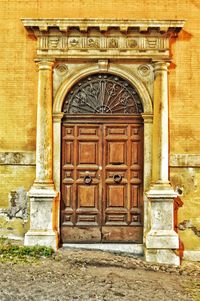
147, 115
113, 46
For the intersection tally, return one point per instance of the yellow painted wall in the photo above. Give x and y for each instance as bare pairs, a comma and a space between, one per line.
18, 76
188, 180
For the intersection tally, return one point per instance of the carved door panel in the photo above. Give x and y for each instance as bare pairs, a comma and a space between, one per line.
122, 206
81, 184
102, 182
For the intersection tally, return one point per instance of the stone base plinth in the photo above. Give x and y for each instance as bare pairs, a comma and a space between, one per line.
162, 256
41, 238
43, 218
162, 239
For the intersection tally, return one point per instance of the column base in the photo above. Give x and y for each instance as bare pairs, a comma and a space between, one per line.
161, 190
41, 238
37, 185
162, 256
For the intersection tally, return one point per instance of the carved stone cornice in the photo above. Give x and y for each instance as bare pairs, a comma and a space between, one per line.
103, 38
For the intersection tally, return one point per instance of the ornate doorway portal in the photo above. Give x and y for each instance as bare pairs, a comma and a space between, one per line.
101, 83
102, 162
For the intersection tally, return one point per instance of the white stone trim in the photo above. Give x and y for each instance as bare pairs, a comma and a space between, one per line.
80, 72
134, 249
191, 255
17, 158
185, 160
76, 75
103, 24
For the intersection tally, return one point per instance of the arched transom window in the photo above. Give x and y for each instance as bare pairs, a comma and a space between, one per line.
103, 94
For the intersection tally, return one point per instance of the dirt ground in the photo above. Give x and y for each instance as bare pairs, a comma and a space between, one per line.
78, 275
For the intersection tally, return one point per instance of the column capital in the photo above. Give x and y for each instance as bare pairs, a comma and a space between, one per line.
44, 63
57, 117
160, 66
148, 118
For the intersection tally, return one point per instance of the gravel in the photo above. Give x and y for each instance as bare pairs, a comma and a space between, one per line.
80, 275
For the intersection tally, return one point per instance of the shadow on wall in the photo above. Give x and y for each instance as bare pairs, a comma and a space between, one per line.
182, 36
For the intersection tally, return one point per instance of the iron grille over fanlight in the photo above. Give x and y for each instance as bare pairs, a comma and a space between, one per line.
103, 94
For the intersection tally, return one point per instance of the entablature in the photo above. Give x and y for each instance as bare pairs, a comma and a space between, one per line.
103, 38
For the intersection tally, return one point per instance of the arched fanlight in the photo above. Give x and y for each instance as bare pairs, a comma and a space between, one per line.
103, 94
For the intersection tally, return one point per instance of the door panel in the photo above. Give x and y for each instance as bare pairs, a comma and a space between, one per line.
116, 184
82, 154
102, 182
123, 154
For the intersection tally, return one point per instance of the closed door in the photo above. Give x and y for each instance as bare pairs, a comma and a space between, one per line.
101, 199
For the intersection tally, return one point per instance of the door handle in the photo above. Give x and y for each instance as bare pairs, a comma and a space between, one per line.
87, 179
117, 178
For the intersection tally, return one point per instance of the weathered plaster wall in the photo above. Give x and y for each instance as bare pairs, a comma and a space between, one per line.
18, 86
187, 182
14, 178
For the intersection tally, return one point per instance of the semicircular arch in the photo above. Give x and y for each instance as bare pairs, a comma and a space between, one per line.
117, 70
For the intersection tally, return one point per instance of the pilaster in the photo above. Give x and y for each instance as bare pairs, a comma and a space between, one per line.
43, 197
161, 240
44, 143
148, 124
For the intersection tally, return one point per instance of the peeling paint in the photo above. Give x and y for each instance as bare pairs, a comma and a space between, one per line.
187, 224
18, 204
186, 181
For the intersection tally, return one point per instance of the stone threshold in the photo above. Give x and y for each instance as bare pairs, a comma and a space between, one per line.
134, 249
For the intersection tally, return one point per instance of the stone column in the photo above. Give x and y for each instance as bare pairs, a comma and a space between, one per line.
148, 124
161, 240
43, 197
160, 124
44, 176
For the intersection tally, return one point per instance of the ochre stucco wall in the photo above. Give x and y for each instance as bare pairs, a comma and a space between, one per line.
18, 85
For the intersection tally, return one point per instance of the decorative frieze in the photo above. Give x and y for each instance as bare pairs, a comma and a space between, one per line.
121, 44
103, 42
100, 38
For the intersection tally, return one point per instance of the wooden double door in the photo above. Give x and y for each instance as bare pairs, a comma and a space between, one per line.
102, 177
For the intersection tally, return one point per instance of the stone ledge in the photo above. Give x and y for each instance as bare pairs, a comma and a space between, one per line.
184, 160
17, 158
28, 157
191, 255
63, 24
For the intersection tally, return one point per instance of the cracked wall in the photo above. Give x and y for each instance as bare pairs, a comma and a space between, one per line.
187, 182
